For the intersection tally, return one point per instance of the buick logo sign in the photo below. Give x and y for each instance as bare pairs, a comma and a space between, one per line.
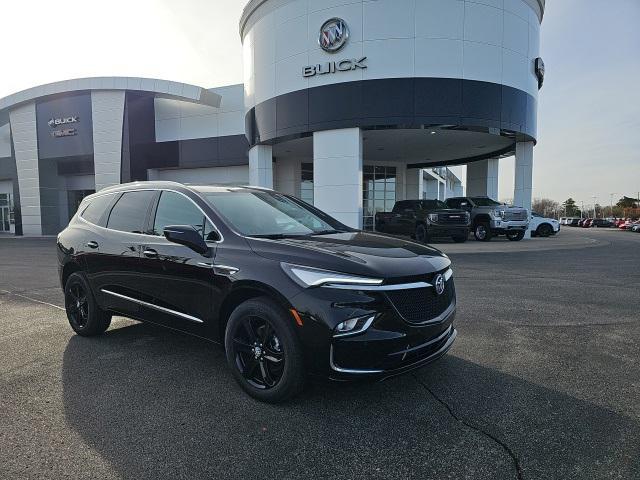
438, 283
333, 35
56, 122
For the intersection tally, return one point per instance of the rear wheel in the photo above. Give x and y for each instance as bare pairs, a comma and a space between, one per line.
516, 236
263, 351
544, 230
83, 313
482, 232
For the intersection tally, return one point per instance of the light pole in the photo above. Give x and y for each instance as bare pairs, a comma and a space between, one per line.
611, 204
594, 206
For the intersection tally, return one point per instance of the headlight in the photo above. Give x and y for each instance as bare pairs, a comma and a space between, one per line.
467, 216
433, 217
353, 326
498, 213
314, 277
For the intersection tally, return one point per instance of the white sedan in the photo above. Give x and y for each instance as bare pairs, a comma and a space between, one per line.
543, 227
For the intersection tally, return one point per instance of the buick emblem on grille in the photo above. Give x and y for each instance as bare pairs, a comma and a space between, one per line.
438, 283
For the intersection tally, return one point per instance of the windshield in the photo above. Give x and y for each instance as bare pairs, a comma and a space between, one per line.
433, 204
270, 214
484, 202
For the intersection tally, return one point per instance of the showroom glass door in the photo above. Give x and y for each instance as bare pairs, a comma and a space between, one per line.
379, 192
5, 212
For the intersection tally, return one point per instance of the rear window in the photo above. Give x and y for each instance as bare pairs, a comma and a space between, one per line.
129, 214
96, 211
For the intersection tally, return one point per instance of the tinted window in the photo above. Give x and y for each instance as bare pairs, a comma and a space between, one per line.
130, 212
484, 202
404, 205
454, 202
95, 212
176, 209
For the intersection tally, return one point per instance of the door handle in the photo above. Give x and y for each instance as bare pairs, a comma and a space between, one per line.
150, 253
92, 244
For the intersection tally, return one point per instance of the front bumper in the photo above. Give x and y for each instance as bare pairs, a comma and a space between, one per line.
440, 230
502, 226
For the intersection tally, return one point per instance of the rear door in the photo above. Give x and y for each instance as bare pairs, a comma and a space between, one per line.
179, 282
113, 269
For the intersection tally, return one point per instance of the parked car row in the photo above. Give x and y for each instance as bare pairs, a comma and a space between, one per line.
456, 217
621, 223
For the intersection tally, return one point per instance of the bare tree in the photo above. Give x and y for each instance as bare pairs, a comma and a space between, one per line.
545, 206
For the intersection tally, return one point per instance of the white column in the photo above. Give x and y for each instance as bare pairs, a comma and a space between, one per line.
482, 178
261, 166
414, 179
25, 147
288, 176
337, 174
523, 181
107, 113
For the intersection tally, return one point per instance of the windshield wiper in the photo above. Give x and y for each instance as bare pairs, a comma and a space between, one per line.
327, 232
276, 236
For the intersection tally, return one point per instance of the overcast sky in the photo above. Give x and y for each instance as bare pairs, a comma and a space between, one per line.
588, 117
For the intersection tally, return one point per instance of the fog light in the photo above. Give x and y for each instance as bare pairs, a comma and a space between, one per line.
353, 326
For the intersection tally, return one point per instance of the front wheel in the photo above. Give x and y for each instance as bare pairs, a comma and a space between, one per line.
421, 234
544, 230
460, 238
516, 236
83, 313
263, 351
482, 232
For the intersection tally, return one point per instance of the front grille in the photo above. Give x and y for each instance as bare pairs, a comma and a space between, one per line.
518, 216
452, 219
419, 305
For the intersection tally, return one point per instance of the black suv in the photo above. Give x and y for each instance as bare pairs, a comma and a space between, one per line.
288, 290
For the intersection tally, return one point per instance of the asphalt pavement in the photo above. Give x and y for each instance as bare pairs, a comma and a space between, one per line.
543, 382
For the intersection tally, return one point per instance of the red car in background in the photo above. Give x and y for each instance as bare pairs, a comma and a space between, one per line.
587, 223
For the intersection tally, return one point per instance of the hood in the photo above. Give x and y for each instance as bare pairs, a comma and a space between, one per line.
357, 253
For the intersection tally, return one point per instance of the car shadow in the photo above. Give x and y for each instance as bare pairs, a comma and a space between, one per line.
158, 404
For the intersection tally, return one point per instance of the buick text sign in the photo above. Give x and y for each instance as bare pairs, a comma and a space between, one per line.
333, 67
65, 126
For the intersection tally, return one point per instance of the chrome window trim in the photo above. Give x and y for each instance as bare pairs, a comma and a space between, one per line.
153, 190
153, 306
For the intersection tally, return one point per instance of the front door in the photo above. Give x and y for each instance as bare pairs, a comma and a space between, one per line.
178, 281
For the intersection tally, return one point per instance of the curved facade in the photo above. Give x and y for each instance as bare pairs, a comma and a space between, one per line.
445, 62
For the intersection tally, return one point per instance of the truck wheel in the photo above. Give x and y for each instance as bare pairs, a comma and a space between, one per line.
460, 238
482, 232
544, 230
422, 235
516, 237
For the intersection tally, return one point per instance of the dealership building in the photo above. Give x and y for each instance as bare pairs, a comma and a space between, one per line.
348, 104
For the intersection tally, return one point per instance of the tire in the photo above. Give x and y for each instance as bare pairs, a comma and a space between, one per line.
263, 351
460, 238
421, 234
482, 232
516, 237
83, 313
544, 230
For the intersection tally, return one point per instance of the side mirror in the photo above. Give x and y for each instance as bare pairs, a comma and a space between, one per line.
188, 236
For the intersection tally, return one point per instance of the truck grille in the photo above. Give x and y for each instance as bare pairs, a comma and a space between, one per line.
419, 305
452, 218
517, 216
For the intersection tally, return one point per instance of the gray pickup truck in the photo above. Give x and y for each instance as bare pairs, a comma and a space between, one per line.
489, 218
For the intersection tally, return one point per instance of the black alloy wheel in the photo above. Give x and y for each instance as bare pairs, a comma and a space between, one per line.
544, 230
83, 313
482, 232
263, 350
422, 235
258, 352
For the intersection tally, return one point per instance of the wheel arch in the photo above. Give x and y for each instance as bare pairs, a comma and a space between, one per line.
240, 293
481, 218
69, 269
